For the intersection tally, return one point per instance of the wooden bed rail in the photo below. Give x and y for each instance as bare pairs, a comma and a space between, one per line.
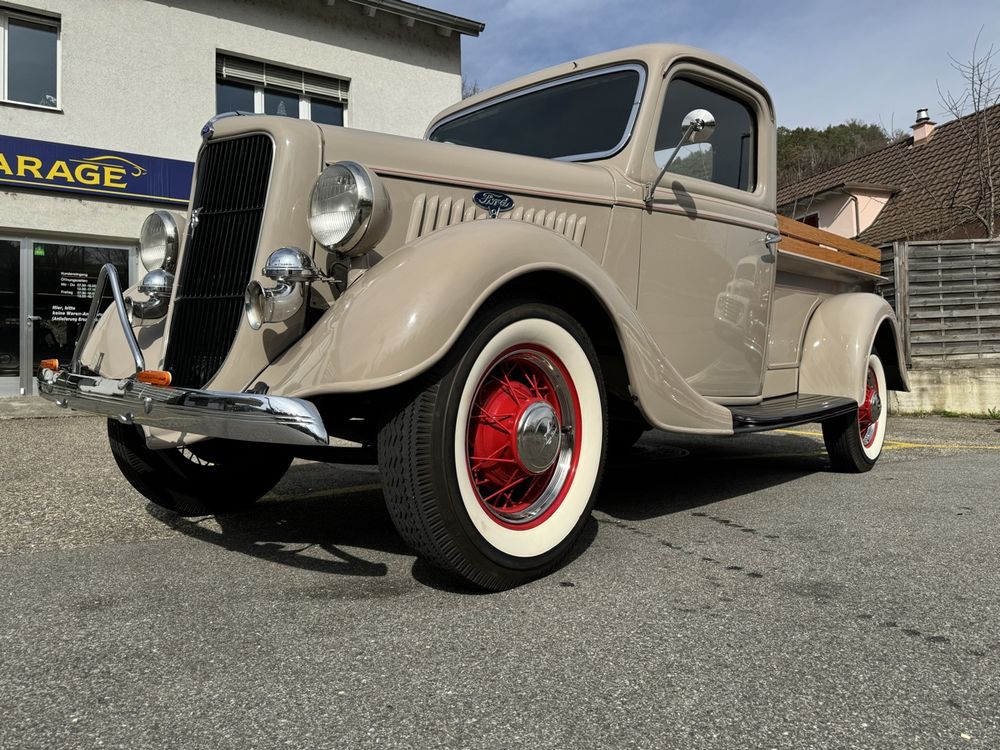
801, 239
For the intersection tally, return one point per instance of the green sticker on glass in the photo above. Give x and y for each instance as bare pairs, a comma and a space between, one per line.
39, 251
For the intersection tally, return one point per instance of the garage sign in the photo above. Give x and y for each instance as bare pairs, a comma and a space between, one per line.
63, 168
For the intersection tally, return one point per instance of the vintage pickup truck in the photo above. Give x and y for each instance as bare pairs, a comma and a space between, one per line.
560, 264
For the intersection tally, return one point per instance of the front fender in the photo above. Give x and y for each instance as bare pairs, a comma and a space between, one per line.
840, 336
406, 312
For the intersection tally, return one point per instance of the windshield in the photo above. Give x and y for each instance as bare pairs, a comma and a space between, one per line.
588, 116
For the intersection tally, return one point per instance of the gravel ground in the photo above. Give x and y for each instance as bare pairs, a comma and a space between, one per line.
727, 594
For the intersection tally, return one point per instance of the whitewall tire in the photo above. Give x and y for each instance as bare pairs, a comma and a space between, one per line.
854, 442
491, 468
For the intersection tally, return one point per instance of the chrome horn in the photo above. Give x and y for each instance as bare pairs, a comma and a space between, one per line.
292, 269
157, 285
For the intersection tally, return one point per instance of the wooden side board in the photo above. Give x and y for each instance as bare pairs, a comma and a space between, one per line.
803, 239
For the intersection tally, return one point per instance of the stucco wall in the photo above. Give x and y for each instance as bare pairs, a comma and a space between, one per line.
839, 215
836, 214
870, 205
139, 76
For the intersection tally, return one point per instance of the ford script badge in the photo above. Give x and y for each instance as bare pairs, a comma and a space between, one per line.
495, 203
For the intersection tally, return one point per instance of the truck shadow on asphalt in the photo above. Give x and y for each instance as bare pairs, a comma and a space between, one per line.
312, 529
665, 475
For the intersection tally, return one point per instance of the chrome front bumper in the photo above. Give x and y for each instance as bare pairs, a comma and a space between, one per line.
235, 416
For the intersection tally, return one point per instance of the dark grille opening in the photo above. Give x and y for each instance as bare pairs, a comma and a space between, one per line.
219, 257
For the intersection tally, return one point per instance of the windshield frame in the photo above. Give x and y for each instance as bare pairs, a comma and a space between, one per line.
638, 67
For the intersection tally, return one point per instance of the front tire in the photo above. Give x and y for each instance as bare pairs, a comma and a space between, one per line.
854, 442
209, 478
491, 468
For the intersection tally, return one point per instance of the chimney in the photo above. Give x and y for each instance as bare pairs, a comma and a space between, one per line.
923, 127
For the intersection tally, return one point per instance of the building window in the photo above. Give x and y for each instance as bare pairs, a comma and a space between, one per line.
263, 88
29, 59
811, 219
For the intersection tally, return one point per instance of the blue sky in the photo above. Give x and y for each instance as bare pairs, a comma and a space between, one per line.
876, 60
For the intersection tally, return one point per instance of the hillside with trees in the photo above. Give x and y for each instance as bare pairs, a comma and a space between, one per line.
803, 152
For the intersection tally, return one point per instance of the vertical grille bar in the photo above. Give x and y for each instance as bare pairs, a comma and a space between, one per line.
218, 260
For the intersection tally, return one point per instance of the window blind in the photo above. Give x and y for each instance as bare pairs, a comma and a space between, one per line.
230, 68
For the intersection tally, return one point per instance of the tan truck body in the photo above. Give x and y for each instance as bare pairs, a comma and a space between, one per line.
489, 321
439, 261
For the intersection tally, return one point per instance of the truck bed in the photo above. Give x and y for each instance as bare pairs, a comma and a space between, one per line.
803, 240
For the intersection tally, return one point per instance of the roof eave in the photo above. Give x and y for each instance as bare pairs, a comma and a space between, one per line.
445, 22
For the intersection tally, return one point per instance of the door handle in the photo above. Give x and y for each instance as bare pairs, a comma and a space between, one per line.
771, 240
34, 318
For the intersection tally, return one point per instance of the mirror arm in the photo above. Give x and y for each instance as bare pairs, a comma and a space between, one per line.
694, 127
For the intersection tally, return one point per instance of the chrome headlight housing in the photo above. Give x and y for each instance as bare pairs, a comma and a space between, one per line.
349, 209
159, 240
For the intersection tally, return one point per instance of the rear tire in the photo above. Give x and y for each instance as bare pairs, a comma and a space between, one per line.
854, 441
468, 483
209, 478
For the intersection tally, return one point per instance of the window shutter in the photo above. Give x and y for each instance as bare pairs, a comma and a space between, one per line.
265, 74
238, 69
328, 88
283, 78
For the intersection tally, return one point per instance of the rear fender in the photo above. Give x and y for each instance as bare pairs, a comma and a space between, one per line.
841, 334
407, 311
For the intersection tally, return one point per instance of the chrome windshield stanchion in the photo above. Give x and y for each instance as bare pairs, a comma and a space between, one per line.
220, 414
107, 275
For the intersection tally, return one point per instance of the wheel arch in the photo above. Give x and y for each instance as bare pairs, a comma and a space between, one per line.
841, 333
575, 297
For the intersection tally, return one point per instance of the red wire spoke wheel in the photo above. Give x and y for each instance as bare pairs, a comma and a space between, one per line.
491, 469
523, 436
870, 410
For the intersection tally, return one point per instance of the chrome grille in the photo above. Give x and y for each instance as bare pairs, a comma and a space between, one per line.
218, 259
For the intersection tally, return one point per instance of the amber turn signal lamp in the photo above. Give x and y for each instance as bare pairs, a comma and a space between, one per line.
49, 364
154, 377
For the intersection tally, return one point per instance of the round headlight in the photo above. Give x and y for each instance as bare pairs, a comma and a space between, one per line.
348, 201
159, 240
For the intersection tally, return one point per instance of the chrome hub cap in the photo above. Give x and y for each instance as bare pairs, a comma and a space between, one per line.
538, 437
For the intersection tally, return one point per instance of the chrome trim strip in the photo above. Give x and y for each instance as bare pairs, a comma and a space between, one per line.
108, 274
506, 187
234, 416
633, 115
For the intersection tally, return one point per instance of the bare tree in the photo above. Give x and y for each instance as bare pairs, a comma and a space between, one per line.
469, 88
980, 92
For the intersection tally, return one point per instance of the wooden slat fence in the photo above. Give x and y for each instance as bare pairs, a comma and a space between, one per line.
947, 297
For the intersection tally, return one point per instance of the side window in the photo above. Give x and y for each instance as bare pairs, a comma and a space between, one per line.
29, 59
729, 156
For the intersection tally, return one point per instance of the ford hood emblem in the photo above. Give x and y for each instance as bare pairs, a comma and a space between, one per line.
494, 202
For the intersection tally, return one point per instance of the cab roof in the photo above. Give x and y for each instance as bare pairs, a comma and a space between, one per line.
656, 57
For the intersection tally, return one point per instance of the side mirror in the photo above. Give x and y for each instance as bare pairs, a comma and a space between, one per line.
698, 126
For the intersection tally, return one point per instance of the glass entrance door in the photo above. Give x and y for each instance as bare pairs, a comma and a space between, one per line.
10, 317
45, 293
64, 280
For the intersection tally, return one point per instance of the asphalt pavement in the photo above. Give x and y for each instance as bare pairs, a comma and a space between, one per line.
727, 594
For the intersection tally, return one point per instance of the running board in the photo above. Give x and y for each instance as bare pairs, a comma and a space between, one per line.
788, 411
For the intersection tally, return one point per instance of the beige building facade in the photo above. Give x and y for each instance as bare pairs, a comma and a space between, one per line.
102, 105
